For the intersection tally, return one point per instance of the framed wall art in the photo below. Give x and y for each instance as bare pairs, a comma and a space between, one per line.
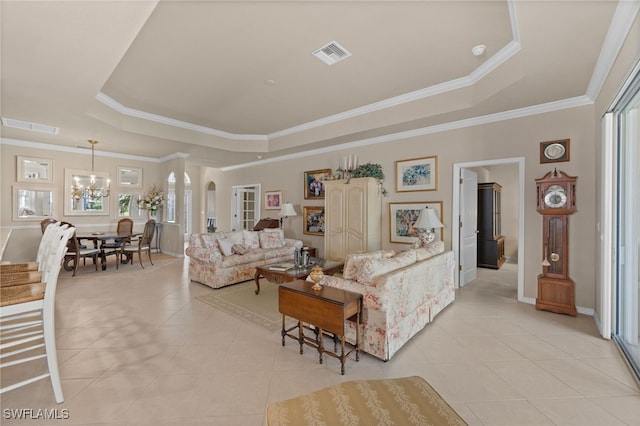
272, 200
554, 151
313, 220
402, 217
314, 183
417, 174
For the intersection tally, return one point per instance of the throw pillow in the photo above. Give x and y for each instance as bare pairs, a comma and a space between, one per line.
226, 246
251, 239
239, 249
270, 240
353, 262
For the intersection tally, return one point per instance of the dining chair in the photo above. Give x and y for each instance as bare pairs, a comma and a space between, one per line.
76, 251
46, 222
125, 227
141, 244
27, 318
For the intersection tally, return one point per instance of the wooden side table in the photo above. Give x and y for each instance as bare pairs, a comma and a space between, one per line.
326, 309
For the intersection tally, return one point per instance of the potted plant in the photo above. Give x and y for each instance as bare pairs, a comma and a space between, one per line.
371, 170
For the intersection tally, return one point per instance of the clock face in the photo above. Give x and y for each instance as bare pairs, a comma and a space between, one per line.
555, 197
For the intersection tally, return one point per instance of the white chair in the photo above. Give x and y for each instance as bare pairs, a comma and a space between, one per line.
27, 316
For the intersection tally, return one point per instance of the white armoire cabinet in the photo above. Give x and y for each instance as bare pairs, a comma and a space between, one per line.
353, 217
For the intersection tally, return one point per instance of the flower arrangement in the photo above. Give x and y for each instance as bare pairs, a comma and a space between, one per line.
152, 200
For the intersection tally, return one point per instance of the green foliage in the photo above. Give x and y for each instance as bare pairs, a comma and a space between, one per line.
371, 170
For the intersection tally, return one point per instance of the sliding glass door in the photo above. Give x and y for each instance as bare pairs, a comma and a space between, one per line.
626, 328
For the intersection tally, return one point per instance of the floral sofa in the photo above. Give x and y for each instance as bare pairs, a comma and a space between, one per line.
219, 259
402, 293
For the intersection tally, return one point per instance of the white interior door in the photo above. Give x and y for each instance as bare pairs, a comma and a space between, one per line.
468, 226
245, 206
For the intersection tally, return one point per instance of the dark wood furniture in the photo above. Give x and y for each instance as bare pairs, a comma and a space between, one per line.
556, 200
326, 309
329, 267
266, 223
490, 240
96, 239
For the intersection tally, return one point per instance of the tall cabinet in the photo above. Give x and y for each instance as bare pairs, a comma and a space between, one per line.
490, 240
353, 216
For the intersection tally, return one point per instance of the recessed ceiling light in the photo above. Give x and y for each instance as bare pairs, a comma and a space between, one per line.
478, 50
270, 82
26, 125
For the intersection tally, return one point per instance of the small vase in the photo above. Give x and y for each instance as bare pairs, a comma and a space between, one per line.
316, 276
151, 214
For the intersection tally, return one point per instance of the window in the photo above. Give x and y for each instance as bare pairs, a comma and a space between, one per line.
626, 143
171, 201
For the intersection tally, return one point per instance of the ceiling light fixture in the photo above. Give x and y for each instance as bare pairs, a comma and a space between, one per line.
478, 50
91, 192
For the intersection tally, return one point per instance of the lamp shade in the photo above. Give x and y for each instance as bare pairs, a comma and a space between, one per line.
428, 219
287, 210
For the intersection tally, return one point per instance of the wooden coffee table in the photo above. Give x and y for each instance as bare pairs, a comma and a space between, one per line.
326, 309
329, 267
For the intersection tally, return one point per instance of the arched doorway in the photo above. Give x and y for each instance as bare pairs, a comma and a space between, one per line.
171, 201
210, 202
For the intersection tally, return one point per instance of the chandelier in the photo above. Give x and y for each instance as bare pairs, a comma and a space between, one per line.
91, 192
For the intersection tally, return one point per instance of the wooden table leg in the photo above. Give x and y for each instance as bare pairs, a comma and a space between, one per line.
300, 337
284, 331
342, 357
257, 278
358, 336
320, 344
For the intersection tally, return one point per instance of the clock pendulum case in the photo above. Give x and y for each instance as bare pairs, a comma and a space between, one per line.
556, 200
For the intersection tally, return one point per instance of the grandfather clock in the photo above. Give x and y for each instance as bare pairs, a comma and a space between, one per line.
556, 200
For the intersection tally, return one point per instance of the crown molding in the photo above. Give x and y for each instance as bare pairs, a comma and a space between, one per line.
475, 121
619, 28
122, 109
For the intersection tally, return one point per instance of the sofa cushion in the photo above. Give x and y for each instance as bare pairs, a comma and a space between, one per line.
240, 249
429, 250
271, 239
371, 268
353, 262
236, 236
226, 246
251, 239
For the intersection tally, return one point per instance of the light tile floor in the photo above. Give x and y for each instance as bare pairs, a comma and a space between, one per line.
136, 348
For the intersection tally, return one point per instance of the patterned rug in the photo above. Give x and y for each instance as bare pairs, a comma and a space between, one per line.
401, 401
240, 301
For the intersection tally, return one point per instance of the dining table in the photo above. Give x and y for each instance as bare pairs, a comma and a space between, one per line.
99, 239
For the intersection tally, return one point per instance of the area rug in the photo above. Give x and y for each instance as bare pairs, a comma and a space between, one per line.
241, 301
401, 401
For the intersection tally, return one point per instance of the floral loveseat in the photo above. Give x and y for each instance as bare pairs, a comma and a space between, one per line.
402, 293
222, 258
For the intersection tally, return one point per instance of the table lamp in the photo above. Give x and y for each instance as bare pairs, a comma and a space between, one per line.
286, 210
425, 225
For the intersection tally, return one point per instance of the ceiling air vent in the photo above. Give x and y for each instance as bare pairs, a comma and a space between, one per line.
332, 53
26, 125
